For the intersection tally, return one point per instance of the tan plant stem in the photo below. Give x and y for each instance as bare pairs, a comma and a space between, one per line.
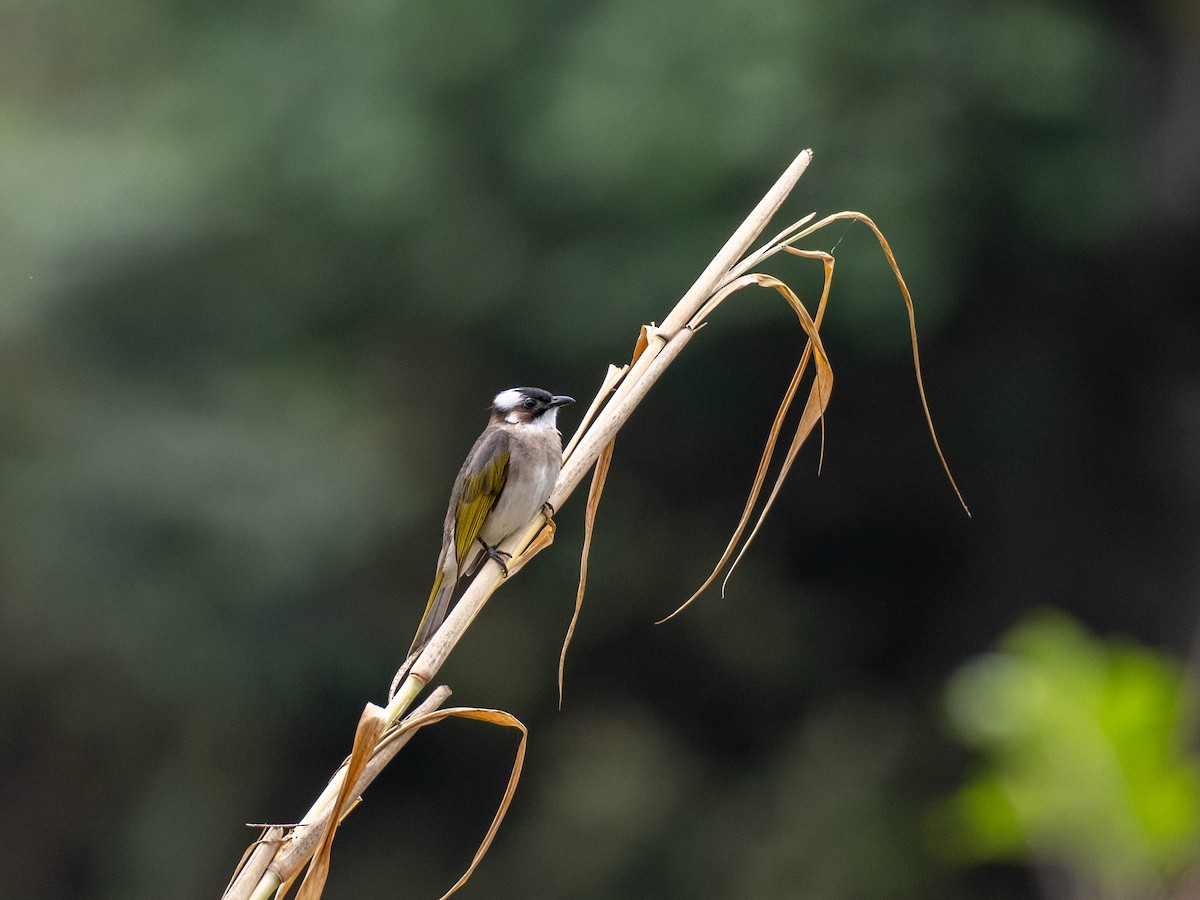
290, 854
658, 347
663, 345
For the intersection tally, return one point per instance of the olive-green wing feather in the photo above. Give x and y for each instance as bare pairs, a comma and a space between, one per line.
477, 487
481, 488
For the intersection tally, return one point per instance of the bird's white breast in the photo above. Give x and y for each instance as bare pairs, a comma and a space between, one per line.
532, 472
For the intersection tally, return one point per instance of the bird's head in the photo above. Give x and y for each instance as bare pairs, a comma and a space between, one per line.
528, 406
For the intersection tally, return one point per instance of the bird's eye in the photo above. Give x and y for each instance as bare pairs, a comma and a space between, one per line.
529, 403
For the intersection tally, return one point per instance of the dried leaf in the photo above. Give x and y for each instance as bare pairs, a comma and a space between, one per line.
494, 717
371, 726
368, 739
781, 241
814, 408
912, 331
642, 342
818, 398
589, 523
912, 322
544, 538
297, 850
611, 379
256, 857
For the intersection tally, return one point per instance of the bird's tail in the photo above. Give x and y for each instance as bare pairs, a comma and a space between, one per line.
435, 614
435, 611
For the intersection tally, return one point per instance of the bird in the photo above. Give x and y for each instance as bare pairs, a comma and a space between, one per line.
506, 478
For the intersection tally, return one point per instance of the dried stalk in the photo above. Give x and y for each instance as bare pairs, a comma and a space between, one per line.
263, 872
663, 344
276, 860
657, 347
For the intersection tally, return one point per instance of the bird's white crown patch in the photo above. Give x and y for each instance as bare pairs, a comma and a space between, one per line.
507, 400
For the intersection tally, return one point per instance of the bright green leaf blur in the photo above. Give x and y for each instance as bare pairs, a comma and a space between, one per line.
1083, 759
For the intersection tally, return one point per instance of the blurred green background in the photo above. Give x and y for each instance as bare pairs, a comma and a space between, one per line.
264, 266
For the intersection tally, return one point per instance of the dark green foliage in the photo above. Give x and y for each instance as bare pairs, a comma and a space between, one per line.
264, 266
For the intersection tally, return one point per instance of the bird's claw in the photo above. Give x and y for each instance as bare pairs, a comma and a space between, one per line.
500, 557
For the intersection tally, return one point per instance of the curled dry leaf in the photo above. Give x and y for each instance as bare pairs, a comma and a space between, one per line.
814, 409
589, 523
611, 378
603, 461
912, 322
372, 733
494, 717
822, 384
371, 726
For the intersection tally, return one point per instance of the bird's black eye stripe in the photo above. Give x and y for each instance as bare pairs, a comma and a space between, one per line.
529, 403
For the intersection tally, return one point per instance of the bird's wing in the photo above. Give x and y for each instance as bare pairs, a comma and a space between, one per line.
480, 491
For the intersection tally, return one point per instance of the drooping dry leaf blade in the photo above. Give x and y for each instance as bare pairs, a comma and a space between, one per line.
493, 717
544, 539
371, 726
299, 847
814, 407
779, 242
912, 324
611, 379
817, 401
589, 523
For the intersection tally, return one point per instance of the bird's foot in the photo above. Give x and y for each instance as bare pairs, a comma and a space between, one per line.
498, 556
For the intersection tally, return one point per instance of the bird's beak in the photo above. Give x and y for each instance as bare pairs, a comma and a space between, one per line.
560, 400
